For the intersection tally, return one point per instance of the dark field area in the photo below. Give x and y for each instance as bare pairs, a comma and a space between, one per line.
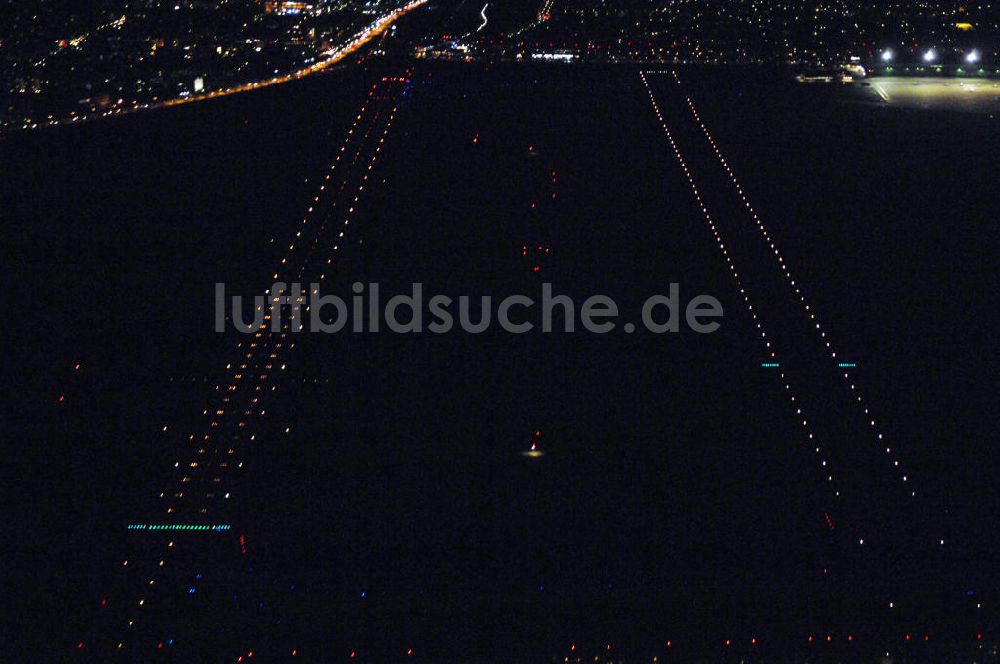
678, 499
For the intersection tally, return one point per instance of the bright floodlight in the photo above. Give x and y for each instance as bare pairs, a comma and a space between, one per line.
887, 55
972, 56
930, 56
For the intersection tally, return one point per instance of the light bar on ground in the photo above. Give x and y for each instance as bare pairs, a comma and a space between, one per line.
178, 526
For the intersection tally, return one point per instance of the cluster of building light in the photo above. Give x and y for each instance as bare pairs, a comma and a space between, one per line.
330, 57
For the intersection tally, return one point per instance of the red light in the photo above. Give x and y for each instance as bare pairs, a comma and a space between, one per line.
62, 397
409, 652
727, 643
79, 646
609, 647
753, 641
104, 602
829, 637
926, 638
810, 639
907, 637
670, 644
979, 637
76, 367
295, 653
159, 646
850, 638
572, 648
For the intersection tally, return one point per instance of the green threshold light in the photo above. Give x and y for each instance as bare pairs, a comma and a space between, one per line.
178, 526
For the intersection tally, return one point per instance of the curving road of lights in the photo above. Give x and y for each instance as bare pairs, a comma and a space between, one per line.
330, 57
482, 15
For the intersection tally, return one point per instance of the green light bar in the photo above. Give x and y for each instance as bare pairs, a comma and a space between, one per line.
846, 365
768, 365
178, 526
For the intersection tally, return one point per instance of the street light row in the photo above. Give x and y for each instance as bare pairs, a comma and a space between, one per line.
931, 55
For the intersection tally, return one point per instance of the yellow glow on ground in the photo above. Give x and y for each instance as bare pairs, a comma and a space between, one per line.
956, 94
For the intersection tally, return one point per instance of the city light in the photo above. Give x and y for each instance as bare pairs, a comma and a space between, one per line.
887, 55
972, 56
930, 55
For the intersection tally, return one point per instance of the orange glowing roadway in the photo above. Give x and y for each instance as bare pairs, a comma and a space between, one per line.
332, 57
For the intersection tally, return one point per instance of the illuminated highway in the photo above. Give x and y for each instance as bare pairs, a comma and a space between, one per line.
328, 59
483, 15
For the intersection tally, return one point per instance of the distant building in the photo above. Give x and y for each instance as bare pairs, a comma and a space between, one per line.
286, 7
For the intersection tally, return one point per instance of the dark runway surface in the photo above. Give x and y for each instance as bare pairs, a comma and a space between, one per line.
677, 499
